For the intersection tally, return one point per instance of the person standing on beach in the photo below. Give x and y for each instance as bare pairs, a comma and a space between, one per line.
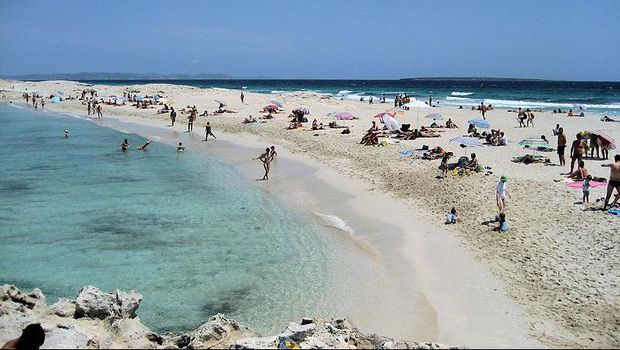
273, 152
190, 121
99, 112
89, 107
614, 178
577, 150
43, 107
242, 97
483, 110
208, 132
594, 144
266, 159
561, 146
173, 115
430, 100
501, 193
27, 97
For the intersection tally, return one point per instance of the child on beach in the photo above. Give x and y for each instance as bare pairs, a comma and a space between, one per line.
586, 189
502, 223
451, 219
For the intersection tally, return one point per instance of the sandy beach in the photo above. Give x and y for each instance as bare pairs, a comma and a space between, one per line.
551, 280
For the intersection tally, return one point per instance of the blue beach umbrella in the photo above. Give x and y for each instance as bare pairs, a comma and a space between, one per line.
466, 141
480, 123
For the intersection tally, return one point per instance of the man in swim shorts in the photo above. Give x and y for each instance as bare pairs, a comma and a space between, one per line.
614, 179
561, 146
125, 145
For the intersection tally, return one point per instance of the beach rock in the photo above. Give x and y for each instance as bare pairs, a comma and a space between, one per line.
30, 300
108, 320
93, 303
217, 331
63, 308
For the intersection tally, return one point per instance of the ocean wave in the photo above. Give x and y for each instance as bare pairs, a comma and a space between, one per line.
343, 92
457, 93
336, 222
277, 91
450, 100
220, 89
244, 87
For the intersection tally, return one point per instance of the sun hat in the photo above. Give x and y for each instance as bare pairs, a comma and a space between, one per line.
503, 178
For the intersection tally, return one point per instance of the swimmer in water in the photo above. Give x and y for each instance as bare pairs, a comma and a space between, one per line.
67, 134
180, 147
125, 145
143, 147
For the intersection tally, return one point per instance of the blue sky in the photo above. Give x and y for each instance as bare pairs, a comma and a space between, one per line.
568, 40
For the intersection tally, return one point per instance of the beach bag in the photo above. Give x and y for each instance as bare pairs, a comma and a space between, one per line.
462, 161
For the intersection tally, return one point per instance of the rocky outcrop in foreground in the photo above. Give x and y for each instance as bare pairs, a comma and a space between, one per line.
96, 319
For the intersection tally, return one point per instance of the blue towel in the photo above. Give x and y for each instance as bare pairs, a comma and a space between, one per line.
614, 211
406, 152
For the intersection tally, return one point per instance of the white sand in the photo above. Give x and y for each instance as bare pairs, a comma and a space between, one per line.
558, 263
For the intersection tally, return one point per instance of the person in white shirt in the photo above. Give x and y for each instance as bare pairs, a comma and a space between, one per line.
503, 140
501, 193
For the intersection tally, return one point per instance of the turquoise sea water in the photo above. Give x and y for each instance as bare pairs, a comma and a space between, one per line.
185, 230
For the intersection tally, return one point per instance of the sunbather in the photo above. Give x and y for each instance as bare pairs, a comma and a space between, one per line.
581, 173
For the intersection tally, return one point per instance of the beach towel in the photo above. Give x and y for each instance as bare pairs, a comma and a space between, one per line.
614, 212
579, 184
406, 152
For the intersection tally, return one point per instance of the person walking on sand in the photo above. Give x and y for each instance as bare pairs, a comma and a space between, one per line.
501, 193
577, 150
242, 97
173, 115
483, 110
614, 179
208, 132
561, 146
43, 106
266, 159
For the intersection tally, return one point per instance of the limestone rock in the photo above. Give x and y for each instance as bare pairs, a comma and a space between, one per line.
63, 308
218, 332
93, 303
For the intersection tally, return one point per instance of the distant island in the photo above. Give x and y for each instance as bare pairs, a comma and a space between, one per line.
472, 79
122, 76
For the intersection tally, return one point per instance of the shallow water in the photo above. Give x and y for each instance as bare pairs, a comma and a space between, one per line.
184, 229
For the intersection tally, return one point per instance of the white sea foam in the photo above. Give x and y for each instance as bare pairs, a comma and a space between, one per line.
277, 91
343, 92
244, 87
220, 89
457, 93
450, 100
336, 222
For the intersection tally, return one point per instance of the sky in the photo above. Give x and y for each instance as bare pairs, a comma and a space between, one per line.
319, 39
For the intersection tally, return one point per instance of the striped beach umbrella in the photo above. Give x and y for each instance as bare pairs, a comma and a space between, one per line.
480, 123
280, 104
382, 114
605, 138
304, 110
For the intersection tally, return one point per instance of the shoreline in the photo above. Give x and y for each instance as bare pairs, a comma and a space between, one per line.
428, 198
321, 187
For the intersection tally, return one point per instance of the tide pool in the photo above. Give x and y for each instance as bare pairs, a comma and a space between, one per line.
184, 229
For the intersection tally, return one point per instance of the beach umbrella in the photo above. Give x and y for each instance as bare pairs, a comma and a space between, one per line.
604, 137
344, 116
304, 110
480, 123
466, 141
277, 103
382, 114
534, 142
390, 123
434, 116
222, 104
271, 108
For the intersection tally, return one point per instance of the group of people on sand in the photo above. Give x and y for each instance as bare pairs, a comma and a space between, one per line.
525, 118
35, 100
93, 107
